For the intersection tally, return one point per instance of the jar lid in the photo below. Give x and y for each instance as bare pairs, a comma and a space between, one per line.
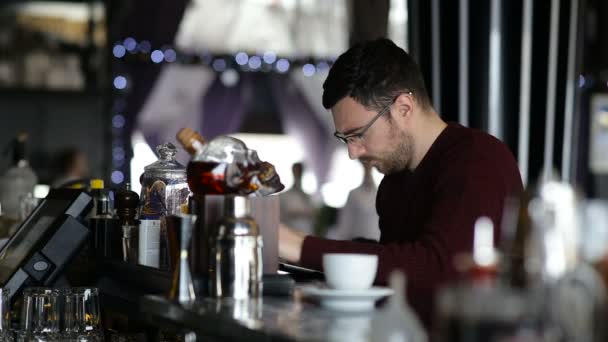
166, 163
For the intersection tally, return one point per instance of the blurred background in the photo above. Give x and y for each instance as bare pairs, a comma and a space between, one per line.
97, 85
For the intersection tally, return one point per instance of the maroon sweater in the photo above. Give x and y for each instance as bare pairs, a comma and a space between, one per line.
427, 216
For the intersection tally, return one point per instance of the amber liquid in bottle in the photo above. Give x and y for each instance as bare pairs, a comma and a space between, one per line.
208, 178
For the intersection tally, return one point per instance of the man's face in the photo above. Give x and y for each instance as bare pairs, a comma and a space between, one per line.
385, 145
81, 166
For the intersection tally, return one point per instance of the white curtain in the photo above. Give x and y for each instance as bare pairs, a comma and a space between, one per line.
175, 102
312, 89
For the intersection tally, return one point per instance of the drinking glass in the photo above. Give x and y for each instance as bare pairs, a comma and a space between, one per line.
82, 320
5, 316
40, 315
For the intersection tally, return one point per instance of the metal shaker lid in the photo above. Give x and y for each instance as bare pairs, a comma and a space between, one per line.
236, 218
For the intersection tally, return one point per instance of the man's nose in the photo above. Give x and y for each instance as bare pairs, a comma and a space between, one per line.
355, 150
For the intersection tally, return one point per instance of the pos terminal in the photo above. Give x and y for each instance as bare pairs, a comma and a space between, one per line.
37, 253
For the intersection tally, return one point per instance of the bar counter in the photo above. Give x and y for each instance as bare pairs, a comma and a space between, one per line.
138, 294
266, 319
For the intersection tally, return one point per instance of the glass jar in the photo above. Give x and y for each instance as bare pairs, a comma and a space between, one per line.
164, 192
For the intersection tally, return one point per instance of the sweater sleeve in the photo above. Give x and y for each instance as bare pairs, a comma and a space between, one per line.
463, 193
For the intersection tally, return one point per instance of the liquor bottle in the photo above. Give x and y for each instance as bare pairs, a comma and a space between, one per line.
101, 200
396, 321
475, 303
126, 210
225, 165
18, 181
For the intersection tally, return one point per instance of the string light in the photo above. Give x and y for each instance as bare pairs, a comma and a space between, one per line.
241, 58
219, 65
120, 82
118, 153
308, 69
144, 46
282, 65
130, 44
255, 62
118, 121
157, 56
229, 78
270, 57
119, 51
170, 55
581, 81
241, 61
118, 177
322, 66
131, 50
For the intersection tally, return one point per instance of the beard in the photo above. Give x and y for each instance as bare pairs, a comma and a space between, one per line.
399, 157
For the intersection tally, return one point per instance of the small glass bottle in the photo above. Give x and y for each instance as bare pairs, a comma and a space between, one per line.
126, 210
101, 200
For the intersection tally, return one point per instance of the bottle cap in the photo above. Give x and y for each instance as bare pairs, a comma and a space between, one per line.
188, 137
126, 204
96, 183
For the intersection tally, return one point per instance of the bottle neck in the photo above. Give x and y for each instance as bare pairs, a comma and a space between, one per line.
126, 216
22, 163
197, 148
19, 154
191, 140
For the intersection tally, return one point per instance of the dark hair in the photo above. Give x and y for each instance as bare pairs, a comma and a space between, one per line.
297, 166
374, 73
65, 159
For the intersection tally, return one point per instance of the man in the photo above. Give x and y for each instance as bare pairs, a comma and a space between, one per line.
439, 177
72, 167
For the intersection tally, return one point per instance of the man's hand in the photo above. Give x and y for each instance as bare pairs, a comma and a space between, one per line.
290, 244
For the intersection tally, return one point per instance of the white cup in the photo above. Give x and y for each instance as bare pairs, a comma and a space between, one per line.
350, 271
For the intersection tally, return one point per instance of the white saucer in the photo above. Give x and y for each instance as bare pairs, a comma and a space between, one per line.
347, 300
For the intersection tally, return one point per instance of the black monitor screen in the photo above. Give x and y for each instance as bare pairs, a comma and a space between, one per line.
22, 243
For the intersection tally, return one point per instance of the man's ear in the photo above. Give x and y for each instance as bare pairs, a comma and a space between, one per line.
405, 105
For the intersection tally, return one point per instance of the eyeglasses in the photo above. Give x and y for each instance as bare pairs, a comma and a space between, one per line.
356, 137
